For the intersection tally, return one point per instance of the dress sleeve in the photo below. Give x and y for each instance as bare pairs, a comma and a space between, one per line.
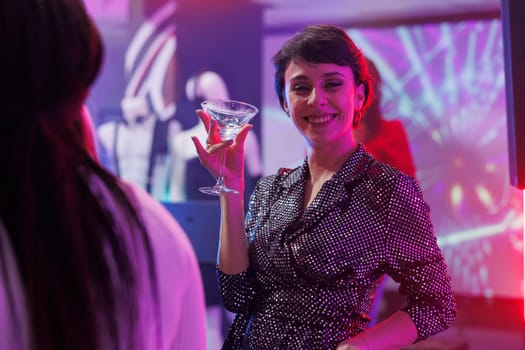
416, 262
238, 291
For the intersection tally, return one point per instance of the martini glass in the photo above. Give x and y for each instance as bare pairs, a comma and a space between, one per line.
231, 116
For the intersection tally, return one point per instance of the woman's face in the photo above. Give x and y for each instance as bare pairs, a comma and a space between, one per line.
321, 99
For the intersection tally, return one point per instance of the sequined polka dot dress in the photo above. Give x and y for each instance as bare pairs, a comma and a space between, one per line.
313, 273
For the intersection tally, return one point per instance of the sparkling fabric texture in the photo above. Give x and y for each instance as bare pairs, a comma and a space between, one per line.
313, 273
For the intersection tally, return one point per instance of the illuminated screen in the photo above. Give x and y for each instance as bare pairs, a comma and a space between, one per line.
445, 82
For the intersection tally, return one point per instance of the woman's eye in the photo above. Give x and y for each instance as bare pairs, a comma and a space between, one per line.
332, 84
300, 88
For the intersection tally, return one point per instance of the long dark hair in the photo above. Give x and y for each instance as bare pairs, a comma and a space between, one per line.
79, 277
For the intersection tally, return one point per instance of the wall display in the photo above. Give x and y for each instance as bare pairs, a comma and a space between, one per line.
158, 68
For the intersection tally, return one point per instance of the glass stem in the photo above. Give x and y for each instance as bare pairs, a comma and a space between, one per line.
220, 179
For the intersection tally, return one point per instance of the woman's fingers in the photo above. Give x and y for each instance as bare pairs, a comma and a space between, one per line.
201, 151
213, 148
241, 136
208, 160
211, 126
207, 152
205, 118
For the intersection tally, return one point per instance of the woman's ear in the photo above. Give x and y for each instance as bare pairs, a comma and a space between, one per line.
359, 99
285, 107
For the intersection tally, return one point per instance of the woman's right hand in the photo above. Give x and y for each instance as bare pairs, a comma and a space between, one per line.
211, 155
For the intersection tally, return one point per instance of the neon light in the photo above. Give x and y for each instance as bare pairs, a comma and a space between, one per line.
523, 246
454, 238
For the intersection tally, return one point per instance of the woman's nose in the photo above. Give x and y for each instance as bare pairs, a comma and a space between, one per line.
317, 97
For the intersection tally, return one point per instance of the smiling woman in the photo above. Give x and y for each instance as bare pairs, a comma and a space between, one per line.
301, 267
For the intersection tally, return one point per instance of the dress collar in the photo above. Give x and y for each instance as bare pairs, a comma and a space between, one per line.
354, 167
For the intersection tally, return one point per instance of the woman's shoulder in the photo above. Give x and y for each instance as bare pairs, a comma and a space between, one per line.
153, 212
274, 183
388, 179
283, 175
381, 171
165, 232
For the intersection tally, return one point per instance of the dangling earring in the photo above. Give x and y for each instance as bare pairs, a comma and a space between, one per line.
357, 118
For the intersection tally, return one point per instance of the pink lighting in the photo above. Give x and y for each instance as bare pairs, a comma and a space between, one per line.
114, 10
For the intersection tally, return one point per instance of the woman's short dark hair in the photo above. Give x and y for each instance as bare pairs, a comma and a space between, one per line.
322, 44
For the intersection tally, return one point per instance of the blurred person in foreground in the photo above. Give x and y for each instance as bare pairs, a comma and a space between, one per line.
87, 261
301, 267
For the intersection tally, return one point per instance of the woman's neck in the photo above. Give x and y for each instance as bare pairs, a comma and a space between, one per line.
324, 161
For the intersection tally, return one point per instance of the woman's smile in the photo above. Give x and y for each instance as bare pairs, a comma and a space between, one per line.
319, 119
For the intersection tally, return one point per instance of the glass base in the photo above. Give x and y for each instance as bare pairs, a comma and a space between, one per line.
217, 190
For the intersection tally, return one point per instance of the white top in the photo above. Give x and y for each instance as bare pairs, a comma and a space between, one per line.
181, 294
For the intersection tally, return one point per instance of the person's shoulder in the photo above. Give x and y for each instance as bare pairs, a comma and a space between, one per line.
385, 185
282, 175
379, 171
269, 186
393, 123
381, 168
146, 204
162, 228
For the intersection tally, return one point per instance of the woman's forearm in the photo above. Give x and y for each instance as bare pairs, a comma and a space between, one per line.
233, 246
